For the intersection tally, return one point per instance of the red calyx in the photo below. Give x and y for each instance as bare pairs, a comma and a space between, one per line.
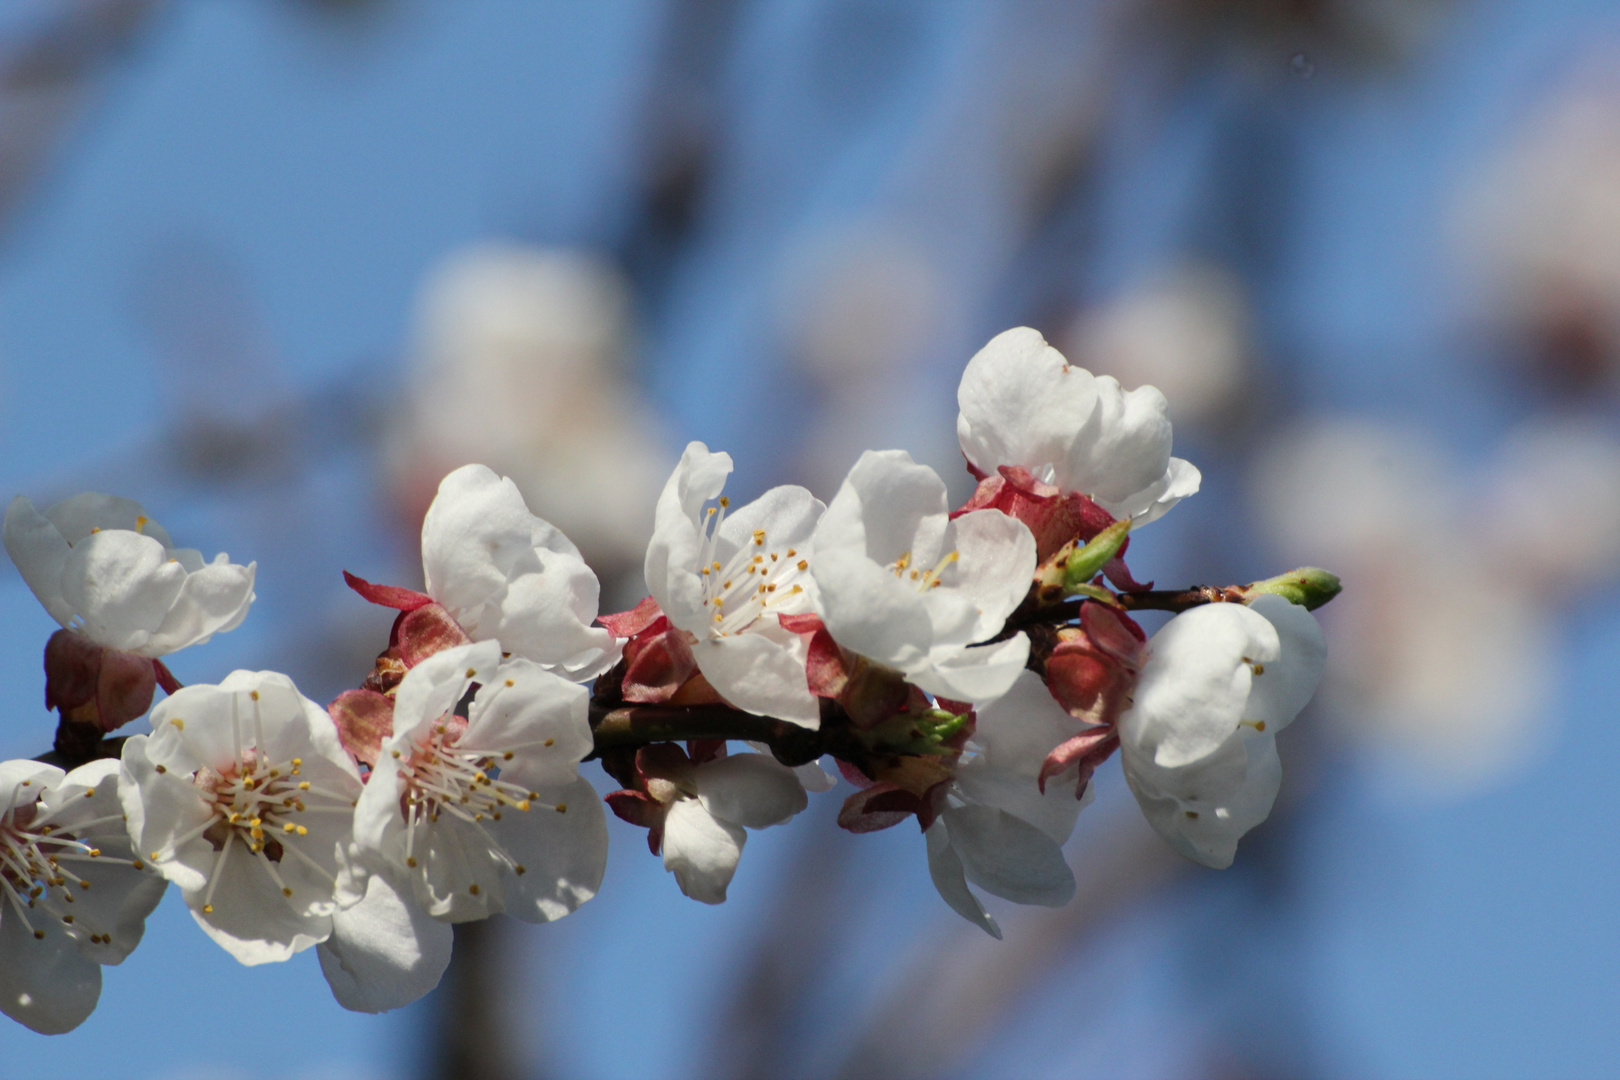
91, 684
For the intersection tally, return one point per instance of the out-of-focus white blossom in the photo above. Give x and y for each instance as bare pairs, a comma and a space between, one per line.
1022, 404
1198, 746
901, 583
104, 569
75, 896
486, 813
519, 355
725, 576
1184, 332
243, 797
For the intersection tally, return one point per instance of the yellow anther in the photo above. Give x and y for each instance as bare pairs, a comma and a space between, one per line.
773, 556
254, 694
140, 522
471, 672
303, 785
410, 861
716, 567
297, 761
95, 852
791, 553
770, 588
89, 793
524, 805
510, 682
562, 808
759, 538
711, 511
289, 827
395, 753
179, 724
549, 742
208, 909
725, 500
286, 892
473, 888
507, 756
804, 564
520, 869
39, 935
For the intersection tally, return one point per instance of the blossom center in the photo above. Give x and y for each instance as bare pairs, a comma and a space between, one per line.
36, 864
438, 777
922, 579
256, 803
759, 576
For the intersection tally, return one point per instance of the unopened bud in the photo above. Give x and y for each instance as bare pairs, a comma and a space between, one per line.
1086, 563
1309, 586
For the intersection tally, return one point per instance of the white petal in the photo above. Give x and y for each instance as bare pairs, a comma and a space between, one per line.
754, 790
813, 777
212, 599
433, 687
945, 868
113, 909
674, 552
1180, 480
161, 807
996, 567
1008, 856
888, 506
521, 709
701, 850
45, 985
40, 553
1021, 403
507, 575
1123, 449
1196, 682
868, 610
385, 951
563, 854
250, 919
1204, 809
84, 513
979, 674
1017, 730
22, 781
1285, 686
122, 584
459, 873
762, 670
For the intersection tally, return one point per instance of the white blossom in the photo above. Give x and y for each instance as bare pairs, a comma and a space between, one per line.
1022, 404
505, 575
700, 813
1198, 746
75, 896
901, 583
724, 577
488, 813
995, 828
103, 568
243, 797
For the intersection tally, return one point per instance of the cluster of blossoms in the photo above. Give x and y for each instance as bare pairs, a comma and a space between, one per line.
970, 668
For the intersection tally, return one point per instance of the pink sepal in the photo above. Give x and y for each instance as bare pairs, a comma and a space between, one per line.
931, 805
421, 632
1092, 670
702, 751
393, 596
1053, 517
1088, 749
807, 623
880, 806
118, 686
628, 624
639, 808
658, 662
364, 718
165, 678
